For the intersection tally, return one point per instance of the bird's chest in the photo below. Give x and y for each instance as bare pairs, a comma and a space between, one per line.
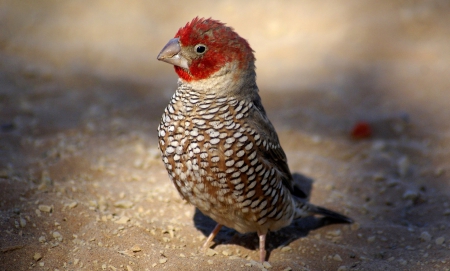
197, 137
190, 132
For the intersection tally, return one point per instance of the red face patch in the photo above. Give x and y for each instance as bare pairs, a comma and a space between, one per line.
223, 46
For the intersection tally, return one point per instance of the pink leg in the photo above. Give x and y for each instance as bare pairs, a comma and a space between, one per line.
262, 247
212, 235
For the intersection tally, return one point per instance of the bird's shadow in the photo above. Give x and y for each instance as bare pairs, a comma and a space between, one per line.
298, 228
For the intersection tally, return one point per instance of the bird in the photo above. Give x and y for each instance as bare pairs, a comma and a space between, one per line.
220, 149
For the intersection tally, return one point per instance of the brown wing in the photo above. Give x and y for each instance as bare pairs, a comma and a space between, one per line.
272, 152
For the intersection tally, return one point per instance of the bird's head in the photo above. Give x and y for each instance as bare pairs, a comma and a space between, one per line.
204, 47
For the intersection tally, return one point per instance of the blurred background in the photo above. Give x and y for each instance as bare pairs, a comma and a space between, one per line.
81, 95
347, 48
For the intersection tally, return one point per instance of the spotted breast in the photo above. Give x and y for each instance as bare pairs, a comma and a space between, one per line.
216, 161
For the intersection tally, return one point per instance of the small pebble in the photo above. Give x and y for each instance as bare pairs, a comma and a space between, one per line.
335, 233
226, 252
163, 260
403, 166
440, 240
337, 258
72, 205
57, 236
355, 226
286, 249
267, 265
126, 204
135, 248
210, 252
425, 236
37, 256
122, 220
410, 194
342, 268
22, 222
371, 239
45, 208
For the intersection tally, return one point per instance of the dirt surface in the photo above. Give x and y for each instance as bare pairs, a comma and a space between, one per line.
82, 186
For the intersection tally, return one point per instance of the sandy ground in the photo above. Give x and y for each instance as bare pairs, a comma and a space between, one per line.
82, 186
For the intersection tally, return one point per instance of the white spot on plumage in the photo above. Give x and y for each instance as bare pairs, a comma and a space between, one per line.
215, 159
214, 133
237, 181
244, 168
194, 132
247, 202
249, 146
255, 203
262, 221
274, 211
235, 174
170, 150
240, 153
243, 139
251, 178
254, 161
251, 193
214, 141
230, 140
229, 163
213, 110
224, 108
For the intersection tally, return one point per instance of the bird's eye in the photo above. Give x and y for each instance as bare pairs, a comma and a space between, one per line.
200, 49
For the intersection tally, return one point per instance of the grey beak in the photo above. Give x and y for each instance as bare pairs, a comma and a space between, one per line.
171, 54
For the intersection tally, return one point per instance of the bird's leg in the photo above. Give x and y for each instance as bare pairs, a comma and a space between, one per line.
212, 235
262, 246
